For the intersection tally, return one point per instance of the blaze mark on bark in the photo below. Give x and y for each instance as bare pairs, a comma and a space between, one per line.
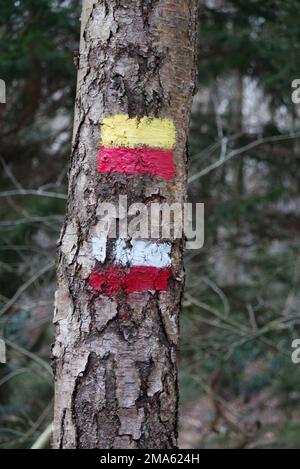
143, 253
139, 160
138, 278
147, 278
99, 248
123, 131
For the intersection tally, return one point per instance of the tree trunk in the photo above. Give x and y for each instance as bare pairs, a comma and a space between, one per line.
115, 355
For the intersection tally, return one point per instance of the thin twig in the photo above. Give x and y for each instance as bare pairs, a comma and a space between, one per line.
24, 287
9, 223
10, 175
35, 192
30, 355
44, 439
239, 151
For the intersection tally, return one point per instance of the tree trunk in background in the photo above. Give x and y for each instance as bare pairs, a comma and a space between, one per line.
115, 359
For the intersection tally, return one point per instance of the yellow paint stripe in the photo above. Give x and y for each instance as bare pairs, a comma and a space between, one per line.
124, 131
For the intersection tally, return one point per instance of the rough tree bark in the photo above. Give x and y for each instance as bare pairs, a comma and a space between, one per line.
115, 360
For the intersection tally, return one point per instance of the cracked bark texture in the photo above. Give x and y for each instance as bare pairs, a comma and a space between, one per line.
115, 360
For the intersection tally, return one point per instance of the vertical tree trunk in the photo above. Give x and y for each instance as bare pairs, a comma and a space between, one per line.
115, 355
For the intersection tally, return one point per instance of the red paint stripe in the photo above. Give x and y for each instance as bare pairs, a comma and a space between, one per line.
147, 278
114, 279
139, 160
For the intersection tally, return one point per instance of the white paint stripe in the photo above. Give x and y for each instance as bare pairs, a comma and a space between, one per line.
99, 248
143, 253
2, 351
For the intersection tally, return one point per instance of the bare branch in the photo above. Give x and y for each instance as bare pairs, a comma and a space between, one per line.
239, 151
35, 192
30, 355
24, 287
44, 439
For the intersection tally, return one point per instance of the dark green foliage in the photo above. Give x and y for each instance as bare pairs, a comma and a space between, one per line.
242, 300
37, 42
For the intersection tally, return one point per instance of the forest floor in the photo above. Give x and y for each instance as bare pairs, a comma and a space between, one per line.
258, 423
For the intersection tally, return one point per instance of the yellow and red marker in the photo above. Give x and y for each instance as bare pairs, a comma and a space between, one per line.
133, 145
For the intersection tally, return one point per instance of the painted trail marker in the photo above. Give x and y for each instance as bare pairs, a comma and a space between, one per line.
144, 266
115, 279
99, 248
139, 160
137, 146
144, 253
134, 145
124, 131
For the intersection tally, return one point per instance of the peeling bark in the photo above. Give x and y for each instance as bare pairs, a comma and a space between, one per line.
115, 359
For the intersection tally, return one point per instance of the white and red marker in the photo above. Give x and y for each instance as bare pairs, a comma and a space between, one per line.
145, 265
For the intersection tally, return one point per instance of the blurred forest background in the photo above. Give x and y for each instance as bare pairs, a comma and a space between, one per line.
239, 387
